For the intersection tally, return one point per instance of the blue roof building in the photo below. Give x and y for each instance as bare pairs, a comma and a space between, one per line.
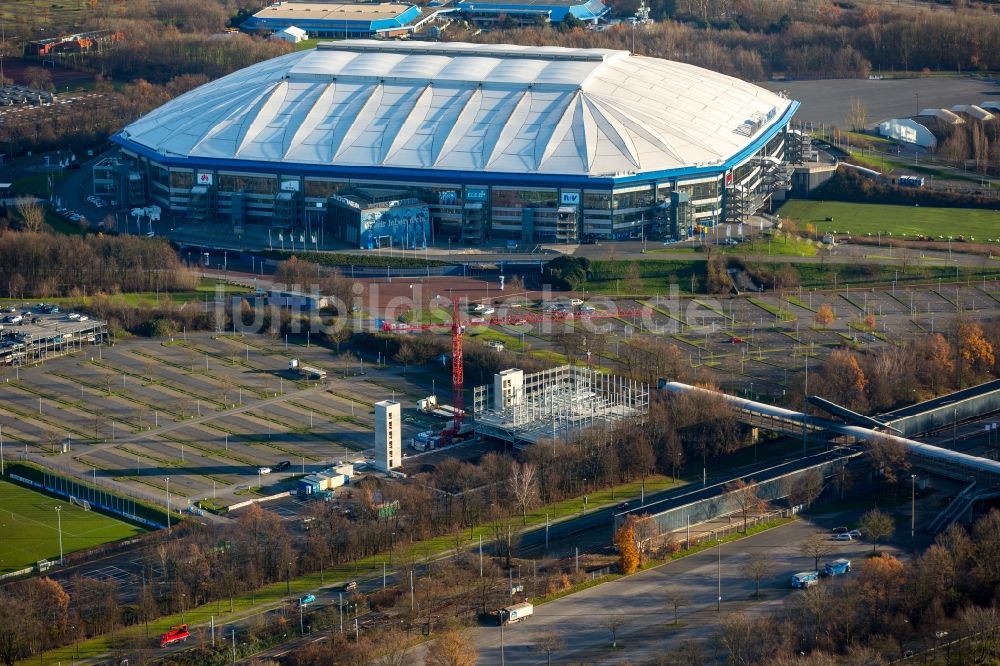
554, 10
336, 20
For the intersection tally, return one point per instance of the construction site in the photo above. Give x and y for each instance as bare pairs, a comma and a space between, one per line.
557, 403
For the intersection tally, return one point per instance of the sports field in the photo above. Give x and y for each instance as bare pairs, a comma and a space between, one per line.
866, 219
28, 529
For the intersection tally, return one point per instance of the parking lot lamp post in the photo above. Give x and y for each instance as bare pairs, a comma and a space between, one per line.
913, 505
718, 606
167, 481
59, 527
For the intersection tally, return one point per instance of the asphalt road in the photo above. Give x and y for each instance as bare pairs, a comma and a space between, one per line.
645, 634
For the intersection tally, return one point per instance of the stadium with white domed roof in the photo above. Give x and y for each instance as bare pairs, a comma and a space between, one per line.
366, 142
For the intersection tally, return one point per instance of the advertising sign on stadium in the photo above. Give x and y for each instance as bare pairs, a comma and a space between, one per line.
289, 186
204, 179
570, 199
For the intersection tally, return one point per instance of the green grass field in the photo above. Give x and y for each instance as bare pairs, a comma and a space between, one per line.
863, 219
30, 533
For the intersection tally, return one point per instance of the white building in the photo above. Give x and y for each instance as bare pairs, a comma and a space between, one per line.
973, 111
388, 435
908, 131
291, 34
944, 115
508, 387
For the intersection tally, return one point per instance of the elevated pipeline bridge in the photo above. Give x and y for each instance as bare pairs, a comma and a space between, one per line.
952, 464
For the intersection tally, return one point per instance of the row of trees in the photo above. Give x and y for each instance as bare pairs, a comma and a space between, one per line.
39, 265
802, 42
892, 375
90, 119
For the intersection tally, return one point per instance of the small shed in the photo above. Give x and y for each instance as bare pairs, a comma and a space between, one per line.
291, 34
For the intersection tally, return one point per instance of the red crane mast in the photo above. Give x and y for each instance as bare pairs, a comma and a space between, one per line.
521, 318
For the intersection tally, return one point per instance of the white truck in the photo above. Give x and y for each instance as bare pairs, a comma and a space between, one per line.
515, 613
306, 371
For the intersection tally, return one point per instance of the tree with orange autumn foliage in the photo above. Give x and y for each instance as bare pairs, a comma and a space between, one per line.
935, 366
975, 353
628, 549
843, 381
878, 585
824, 316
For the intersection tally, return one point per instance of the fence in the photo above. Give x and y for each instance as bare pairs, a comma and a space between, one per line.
112, 498
727, 503
664, 538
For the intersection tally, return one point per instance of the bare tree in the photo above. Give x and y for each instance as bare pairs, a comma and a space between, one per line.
816, 546
857, 117
888, 457
524, 486
876, 525
758, 567
805, 488
31, 213
613, 623
747, 498
548, 643
676, 598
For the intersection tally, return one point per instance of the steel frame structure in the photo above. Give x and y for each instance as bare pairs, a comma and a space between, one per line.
559, 402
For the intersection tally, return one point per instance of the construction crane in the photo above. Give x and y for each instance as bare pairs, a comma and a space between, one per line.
519, 319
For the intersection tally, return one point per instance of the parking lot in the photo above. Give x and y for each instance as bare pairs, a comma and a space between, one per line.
207, 412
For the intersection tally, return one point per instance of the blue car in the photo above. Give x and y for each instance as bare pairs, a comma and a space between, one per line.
306, 600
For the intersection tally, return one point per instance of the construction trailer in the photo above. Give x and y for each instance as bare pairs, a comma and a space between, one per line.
325, 480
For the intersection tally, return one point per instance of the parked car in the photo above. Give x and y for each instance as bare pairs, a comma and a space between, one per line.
264, 470
840, 530
307, 599
351, 586
842, 537
283, 465
855, 534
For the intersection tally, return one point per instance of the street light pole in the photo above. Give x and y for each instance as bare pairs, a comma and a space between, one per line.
718, 606
59, 522
913, 506
167, 479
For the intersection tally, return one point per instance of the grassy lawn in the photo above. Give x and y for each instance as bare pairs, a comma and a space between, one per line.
779, 245
310, 43
509, 341
29, 524
863, 219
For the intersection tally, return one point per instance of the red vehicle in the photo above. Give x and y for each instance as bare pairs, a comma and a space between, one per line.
175, 635
736, 340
